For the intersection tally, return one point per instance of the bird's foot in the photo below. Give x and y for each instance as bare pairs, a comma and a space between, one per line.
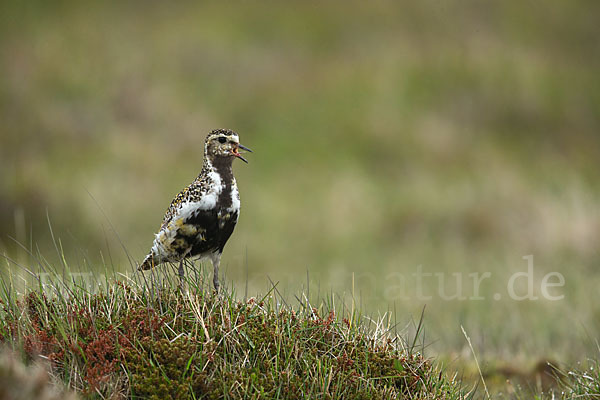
216, 285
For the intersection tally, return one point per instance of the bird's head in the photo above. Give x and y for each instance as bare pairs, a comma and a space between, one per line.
223, 144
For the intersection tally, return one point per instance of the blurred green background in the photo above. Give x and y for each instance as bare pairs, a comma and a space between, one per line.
458, 136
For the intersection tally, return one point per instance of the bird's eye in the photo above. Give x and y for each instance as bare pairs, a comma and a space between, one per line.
222, 139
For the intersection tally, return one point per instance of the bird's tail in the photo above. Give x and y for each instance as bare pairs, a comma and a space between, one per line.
148, 263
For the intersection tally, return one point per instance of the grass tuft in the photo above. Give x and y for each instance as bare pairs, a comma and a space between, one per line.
150, 340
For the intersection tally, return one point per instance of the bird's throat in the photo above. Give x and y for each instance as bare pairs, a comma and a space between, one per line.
222, 167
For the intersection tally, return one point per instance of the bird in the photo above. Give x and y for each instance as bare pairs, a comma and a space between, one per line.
202, 217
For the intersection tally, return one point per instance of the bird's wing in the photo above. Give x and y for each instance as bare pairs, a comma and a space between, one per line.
194, 192
185, 217
174, 207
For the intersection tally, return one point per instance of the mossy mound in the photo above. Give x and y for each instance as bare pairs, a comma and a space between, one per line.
128, 342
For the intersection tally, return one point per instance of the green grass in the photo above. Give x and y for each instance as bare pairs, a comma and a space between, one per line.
143, 338
140, 340
584, 383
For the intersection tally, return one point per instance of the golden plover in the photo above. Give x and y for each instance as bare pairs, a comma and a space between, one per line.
201, 218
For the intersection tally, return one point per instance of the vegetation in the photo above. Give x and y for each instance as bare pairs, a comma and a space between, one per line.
132, 341
153, 341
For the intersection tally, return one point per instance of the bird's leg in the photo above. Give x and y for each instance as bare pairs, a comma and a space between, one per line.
216, 261
181, 274
181, 270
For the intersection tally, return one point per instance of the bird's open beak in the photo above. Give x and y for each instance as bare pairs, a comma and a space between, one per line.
238, 155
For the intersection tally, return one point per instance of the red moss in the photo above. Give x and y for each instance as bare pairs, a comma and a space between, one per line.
102, 357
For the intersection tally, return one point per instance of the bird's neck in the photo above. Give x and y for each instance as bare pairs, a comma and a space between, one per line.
223, 184
221, 166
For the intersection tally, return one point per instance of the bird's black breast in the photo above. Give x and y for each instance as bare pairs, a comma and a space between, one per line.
205, 231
